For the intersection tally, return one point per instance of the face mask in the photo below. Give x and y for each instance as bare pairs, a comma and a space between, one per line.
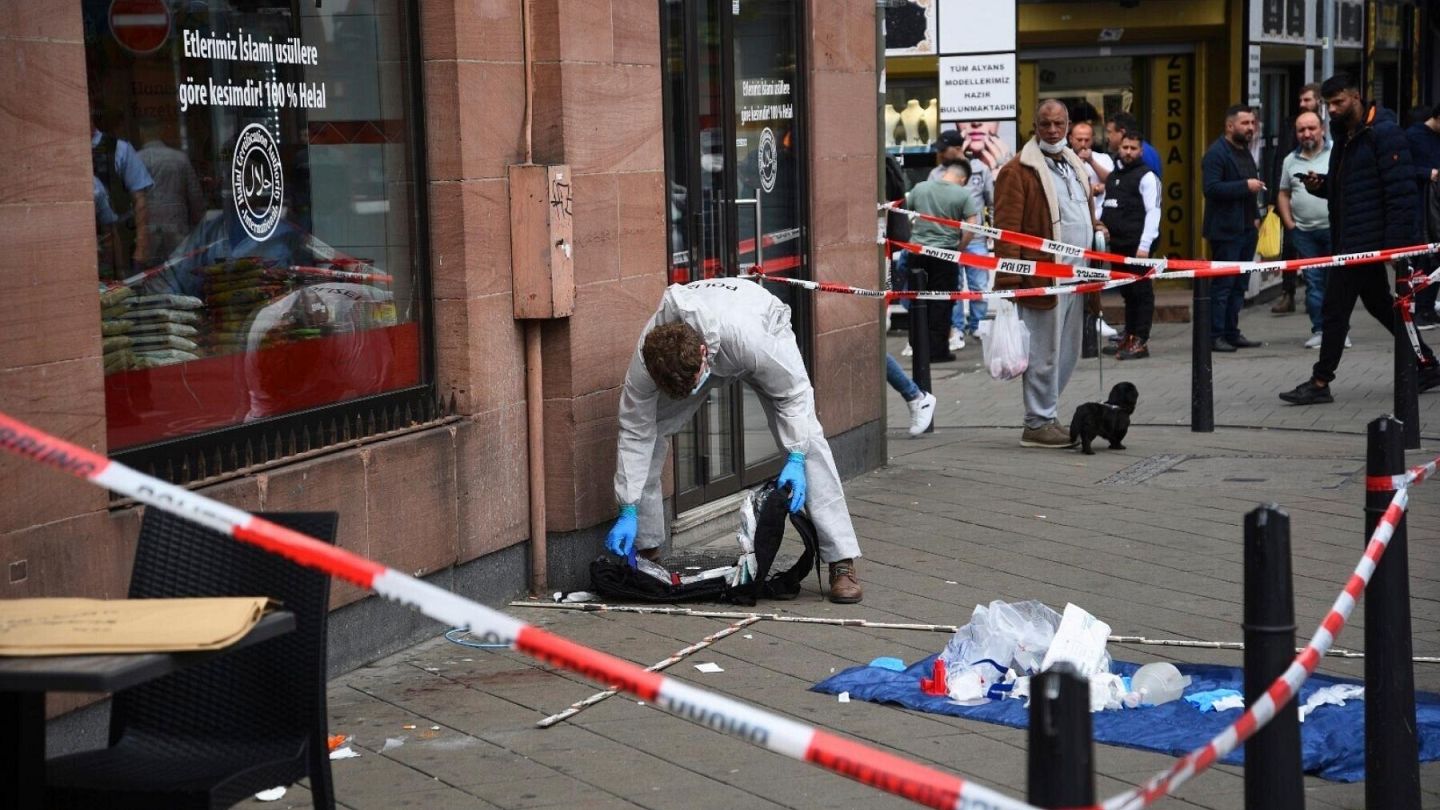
704, 375
1052, 149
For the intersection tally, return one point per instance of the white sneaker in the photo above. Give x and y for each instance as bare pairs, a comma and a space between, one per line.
922, 413
1315, 340
1106, 330
907, 351
957, 339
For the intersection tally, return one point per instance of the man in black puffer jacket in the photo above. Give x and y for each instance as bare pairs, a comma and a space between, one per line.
1373, 206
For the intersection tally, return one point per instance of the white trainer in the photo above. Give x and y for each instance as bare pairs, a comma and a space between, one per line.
957, 339
1106, 330
1315, 340
908, 351
922, 413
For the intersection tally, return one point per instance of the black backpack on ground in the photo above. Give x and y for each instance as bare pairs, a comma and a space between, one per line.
614, 579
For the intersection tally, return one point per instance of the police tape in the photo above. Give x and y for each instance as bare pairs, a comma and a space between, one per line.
1284, 688
948, 295
342, 275
892, 774
1021, 267
1171, 268
1414, 475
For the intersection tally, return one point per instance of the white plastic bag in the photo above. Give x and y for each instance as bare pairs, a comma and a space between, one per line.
1079, 641
997, 638
1007, 347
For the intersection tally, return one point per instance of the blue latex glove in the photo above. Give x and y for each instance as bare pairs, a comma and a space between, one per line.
793, 474
621, 539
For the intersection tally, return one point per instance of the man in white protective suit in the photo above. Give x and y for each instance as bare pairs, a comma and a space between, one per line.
703, 335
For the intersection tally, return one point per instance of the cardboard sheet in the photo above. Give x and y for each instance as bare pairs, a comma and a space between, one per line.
98, 626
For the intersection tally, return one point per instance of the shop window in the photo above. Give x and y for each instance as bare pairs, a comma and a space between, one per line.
257, 210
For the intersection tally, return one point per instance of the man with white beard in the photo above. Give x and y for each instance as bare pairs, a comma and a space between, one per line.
1307, 217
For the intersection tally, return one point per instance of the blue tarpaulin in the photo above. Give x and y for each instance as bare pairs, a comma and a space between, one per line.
1332, 738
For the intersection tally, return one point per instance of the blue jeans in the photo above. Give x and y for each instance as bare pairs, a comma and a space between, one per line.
1308, 245
1227, 293
967, 319
895, 375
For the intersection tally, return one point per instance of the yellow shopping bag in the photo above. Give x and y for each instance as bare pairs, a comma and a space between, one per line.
1272, 237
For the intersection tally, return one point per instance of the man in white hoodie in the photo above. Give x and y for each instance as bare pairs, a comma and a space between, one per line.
704, 335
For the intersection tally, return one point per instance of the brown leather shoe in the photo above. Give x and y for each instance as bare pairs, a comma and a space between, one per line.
1285, 303
844, 585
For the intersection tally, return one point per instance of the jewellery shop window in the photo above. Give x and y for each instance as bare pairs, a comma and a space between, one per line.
255, 208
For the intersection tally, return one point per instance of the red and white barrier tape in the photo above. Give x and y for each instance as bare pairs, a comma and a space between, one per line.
1285, 687
1173, 268
908, 780
1020, 267
1414, 475
948, 295
342, 275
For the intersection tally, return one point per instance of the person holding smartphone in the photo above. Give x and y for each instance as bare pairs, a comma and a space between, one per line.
1306, 216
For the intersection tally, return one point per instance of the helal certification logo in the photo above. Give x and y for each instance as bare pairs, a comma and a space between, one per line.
257, 181
769, 160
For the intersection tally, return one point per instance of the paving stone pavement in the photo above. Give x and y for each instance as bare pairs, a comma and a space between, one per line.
1147, 539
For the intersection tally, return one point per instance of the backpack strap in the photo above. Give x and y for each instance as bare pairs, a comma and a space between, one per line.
770, 505
786, 585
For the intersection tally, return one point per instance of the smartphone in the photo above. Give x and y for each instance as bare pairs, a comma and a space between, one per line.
1300, 177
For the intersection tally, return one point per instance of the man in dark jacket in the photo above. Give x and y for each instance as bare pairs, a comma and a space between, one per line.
1231, 223
1424, 138
1373, 206
1132, 214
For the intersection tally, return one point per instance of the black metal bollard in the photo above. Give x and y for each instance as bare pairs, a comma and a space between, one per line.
1061, 770
920, 331
1407, 392
1090, 340
1202, 384
1273, 775
1392, 766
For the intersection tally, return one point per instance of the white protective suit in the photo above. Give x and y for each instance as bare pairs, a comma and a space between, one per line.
747, 331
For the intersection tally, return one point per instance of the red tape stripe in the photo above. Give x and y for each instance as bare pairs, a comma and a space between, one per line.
309, 552
886, 772
592, 664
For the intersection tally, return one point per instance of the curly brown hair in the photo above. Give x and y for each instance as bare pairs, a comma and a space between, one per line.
672, 354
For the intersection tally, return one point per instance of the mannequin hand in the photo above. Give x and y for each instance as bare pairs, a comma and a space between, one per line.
621, 539
793, 475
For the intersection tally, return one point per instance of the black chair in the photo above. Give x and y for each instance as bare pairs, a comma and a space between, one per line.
214, 734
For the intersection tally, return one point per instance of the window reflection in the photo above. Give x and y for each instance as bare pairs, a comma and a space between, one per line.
254, 213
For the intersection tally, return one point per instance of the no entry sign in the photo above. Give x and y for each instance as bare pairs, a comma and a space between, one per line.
140, 26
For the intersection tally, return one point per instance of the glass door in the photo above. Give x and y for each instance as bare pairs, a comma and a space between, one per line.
734, 154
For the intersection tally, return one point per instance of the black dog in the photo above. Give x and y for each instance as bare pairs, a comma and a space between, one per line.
1108, 420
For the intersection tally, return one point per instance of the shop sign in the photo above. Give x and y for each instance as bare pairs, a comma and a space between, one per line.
1080, 74
976, 26
1172, 134
976, 88
1350, 24
754, 108
1252, 79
